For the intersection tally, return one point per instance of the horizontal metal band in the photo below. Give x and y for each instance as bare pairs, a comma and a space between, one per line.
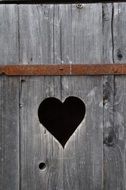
57, 1
64, 69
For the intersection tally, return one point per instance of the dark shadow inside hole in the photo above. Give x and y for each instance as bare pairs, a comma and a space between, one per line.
42, 166
61, 119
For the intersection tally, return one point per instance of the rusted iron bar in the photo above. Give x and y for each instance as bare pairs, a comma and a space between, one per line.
65, 69
58, 1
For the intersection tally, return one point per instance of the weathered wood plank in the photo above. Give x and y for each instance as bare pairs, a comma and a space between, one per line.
58, 34
9, 36
9, 134
83, 158
83, 153
36, 34
108, 94
9, 101
114, 103
37, 145
119, 152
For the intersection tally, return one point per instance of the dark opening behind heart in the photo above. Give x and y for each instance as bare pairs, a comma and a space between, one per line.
61, 119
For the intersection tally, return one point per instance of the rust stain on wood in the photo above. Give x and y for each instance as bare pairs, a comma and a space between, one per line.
65, 69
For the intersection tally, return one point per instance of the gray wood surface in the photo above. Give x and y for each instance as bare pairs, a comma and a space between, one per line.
108, 101
57, 35
82, 43
114, 103
9, 35
9, 133
65, 168
9, 101
94, 156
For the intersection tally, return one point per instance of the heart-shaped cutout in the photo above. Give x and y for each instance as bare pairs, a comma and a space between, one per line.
61, 119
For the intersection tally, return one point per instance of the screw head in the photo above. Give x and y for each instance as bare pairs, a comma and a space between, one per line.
79, 6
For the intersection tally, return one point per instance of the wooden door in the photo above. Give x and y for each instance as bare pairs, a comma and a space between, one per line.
94, 156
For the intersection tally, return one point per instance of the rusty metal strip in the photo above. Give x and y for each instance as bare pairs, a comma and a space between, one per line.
58, 1
65, 69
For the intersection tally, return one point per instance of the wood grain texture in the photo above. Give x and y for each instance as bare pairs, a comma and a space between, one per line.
9, 39
62, 34
9, 101
36, 34
58, 34
64, 167
85, 170
84, 32
37, 145
114, 103
9, 134
108, 98
83, 163
119, 26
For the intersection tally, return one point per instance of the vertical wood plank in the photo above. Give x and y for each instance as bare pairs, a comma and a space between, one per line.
9, 100
119, 26
83, 153
37, 145
9, 133
9, 39
36, 142
82, 43
108, 96
114, 103
36, 34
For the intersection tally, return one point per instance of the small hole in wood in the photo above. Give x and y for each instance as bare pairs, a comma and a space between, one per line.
23, 80
42, 166
61, 119
119, 55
